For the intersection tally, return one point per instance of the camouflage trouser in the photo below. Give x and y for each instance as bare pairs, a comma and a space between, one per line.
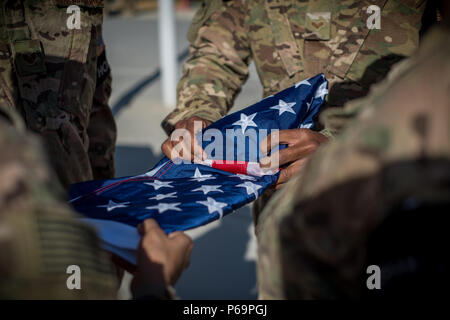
60, 84
80, 152
314, 233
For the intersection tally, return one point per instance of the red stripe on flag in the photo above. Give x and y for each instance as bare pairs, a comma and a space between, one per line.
231, 166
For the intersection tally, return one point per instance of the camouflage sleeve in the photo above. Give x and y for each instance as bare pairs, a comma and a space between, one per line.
313, 234
217, 66
39, 235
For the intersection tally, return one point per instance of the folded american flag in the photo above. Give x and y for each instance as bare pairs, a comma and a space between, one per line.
183, 196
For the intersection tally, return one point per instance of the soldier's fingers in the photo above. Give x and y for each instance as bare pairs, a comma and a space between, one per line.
178, 136
149, 225
175, 234
181, 124
289, 137
173, 149
206, 123
297, 152
192, 146
279, 186
268, 143
181, 140
167, 148
288, 172
187, 255
197, 151
293, 136
195, 126
301, 143
178, 147
185, 149
288, 155
183, 244
181, 240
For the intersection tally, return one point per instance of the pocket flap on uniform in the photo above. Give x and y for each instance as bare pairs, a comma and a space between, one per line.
29, 57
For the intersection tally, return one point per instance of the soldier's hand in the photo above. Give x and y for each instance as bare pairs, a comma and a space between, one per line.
161, 258
301, 143
180, 146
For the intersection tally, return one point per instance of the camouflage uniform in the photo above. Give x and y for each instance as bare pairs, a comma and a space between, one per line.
60, 82
39, 235
288, 42
314, 235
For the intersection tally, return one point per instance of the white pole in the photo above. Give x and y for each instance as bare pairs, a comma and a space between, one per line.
167, 51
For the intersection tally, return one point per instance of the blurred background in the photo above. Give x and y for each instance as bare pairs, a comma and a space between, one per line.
224, 255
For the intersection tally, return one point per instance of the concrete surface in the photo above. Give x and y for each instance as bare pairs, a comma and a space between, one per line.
223, 260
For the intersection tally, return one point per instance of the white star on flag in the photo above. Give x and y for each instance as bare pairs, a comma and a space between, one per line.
283, 107
244, 177
199, 177
159, 184
207, 189
306, 126
308, 104
305, 82
251, 188
246, 121
213, 206
164, 196
162, 207
322, 91
113, 205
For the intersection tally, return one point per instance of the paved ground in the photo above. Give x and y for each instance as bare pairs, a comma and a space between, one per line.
223, 260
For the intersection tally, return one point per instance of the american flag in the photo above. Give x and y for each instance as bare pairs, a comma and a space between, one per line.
183, 196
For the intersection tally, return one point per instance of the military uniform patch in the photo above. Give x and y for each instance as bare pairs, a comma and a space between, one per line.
318, 25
